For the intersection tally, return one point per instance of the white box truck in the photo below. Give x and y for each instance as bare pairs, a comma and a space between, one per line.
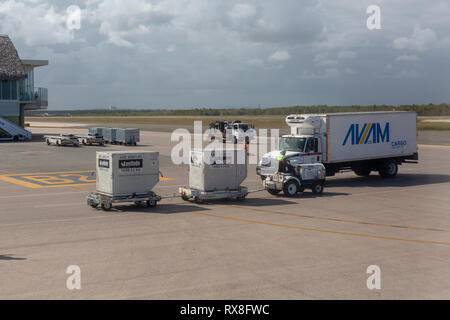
362, 142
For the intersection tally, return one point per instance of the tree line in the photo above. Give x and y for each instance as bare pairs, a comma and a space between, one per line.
422, 110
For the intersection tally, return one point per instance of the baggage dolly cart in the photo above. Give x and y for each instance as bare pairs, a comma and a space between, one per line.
200, 196
106, 201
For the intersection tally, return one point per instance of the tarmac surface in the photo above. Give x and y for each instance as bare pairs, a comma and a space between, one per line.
265, 247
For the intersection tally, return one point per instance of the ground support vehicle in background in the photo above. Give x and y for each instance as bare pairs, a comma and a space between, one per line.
62, 140
91, 139
294, 179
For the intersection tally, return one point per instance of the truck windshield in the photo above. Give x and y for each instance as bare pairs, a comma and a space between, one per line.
243, 127
292, 144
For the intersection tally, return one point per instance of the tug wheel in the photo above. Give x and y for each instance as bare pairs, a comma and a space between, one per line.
317, 188
291, 188
152, 203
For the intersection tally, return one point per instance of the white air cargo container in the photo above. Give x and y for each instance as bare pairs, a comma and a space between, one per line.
361, 141
124, 173
217, 170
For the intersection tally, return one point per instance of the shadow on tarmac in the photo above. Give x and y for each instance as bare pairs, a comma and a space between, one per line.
402, 180
9, 257
159, 209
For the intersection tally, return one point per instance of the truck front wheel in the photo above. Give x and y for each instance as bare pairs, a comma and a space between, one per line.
389, 170
291, 188
273, 191
362, 172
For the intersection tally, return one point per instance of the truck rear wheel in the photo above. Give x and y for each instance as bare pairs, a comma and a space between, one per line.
362, 172
317, 188
291, 188
106, 206
389, 170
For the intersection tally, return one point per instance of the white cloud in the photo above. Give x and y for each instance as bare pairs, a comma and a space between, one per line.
123, 22
421, 40
41, 24
243, 11
349, 71
347, 55
228, 52
323, 60
407, 58
171, 48
408, 74
279, 56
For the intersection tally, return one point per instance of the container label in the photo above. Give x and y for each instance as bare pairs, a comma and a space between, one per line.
131, 166
103, 163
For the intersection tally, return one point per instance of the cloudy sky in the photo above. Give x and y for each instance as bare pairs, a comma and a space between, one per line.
215, 53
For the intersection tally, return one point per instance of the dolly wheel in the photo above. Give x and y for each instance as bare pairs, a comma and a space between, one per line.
184, 197
273, 191
317, 188
197, 200
94, 205
152, 203
107, 206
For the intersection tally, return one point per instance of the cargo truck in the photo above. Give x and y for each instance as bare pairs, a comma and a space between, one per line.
362, 142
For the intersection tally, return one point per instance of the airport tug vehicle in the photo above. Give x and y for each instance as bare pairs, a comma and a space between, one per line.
216, 174
123, 176
62, 140
292, 179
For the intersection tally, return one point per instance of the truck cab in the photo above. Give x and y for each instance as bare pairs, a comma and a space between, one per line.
305, 145
302, 149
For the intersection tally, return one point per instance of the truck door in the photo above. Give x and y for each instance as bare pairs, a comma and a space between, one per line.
312, 151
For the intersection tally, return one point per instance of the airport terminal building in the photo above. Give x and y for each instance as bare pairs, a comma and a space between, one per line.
17, 90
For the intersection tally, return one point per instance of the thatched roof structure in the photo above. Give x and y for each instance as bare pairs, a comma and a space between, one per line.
11, 68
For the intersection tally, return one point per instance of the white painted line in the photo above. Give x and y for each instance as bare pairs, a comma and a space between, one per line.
116, 215
57, 205
40, 194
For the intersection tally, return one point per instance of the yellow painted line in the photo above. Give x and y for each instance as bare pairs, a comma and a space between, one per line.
10, 177
361, 235
333, 219
365, 133
37, 186
20, 182
43, 173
